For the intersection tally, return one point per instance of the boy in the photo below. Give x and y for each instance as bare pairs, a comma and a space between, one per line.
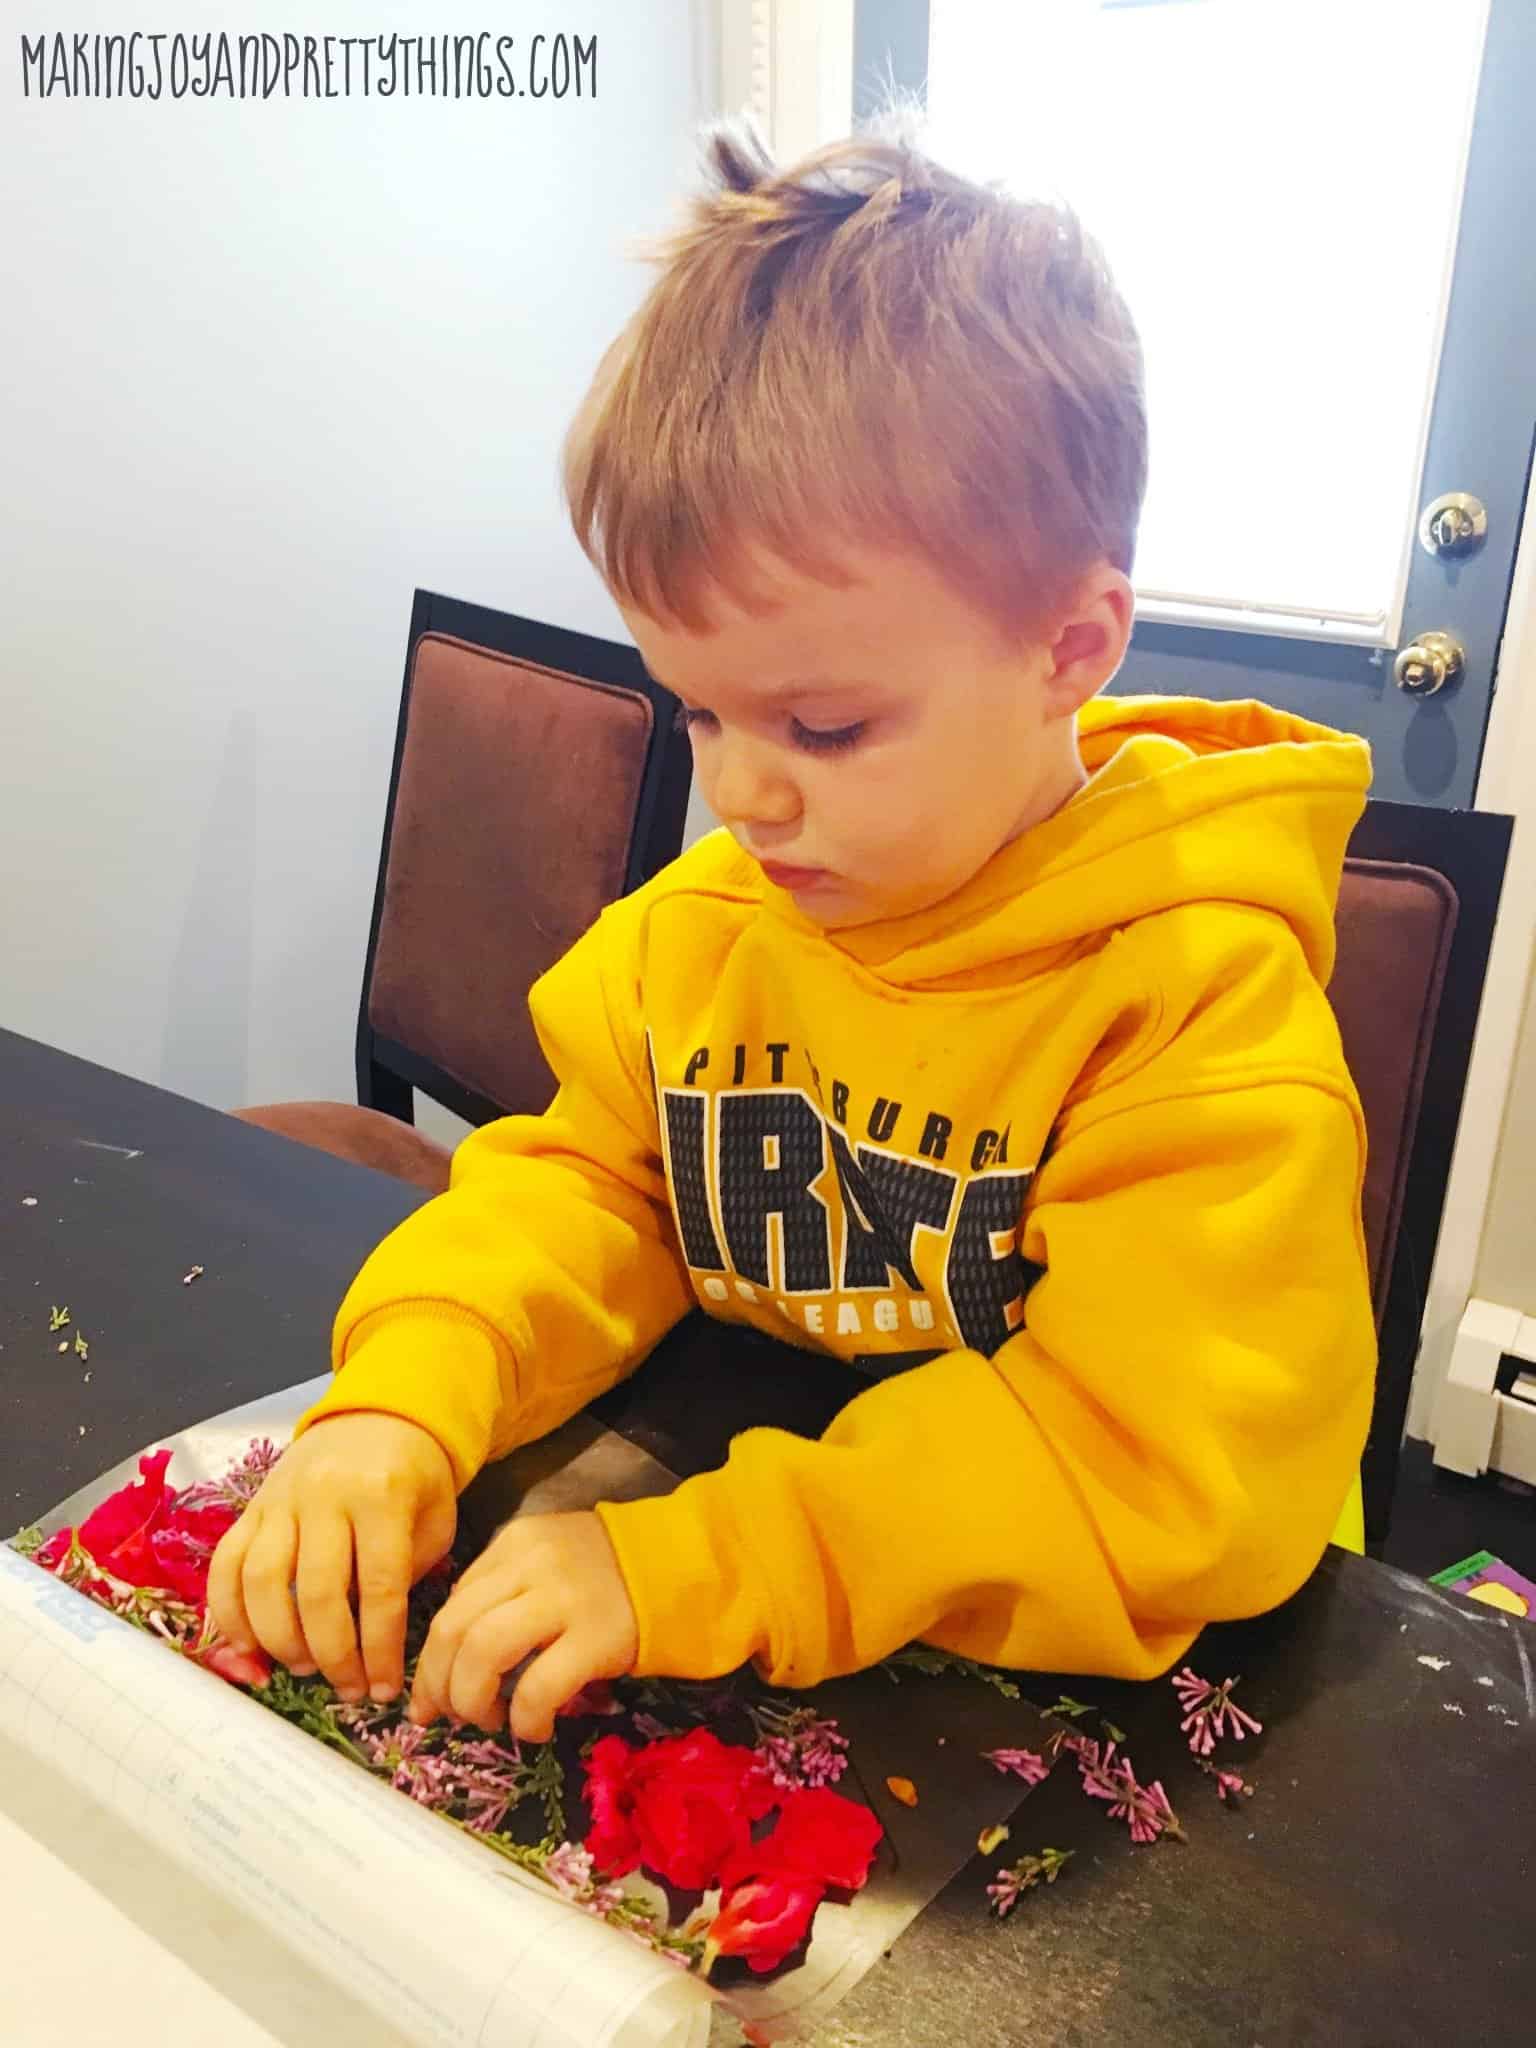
987, 1047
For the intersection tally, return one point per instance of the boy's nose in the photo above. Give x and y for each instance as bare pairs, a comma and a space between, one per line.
744, 788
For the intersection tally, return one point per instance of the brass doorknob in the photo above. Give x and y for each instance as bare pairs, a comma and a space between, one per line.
1429, 663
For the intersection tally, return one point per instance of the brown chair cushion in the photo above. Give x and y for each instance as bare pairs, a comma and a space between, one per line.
1395, 924
513, 820
365, 1136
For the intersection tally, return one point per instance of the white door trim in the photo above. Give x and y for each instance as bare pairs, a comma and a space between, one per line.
1506, 783
789, 63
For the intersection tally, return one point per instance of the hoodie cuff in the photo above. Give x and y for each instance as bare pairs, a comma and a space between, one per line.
430, 1363
701, 1609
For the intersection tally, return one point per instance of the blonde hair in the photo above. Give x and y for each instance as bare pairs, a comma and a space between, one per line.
863, 350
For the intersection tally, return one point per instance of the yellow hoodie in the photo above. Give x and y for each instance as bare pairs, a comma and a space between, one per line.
1081, 1138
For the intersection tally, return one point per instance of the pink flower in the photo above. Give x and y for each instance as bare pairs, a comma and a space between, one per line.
801, 1749
1231, 1786
1211, 1712
1010, 1884
1022, 1763
1144, 1808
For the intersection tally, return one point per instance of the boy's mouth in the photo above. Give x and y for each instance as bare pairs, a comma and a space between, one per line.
790, 878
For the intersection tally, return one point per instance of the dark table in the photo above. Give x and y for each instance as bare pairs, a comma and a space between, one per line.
1378, 1889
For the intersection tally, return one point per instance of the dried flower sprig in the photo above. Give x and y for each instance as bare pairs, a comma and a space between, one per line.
1011, 1883
1145, 1809
1231, 1786
1027, 1764
799, 1747
1210, 1712
238, 1486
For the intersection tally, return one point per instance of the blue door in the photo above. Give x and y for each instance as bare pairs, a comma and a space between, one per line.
1319, 212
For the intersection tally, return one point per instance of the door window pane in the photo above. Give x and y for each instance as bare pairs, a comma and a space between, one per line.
1277, 184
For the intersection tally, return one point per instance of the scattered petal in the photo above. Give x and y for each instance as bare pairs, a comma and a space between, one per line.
1451, 1707
82, 1349
1436, 1663
29, 1201
1485, 1681
902, 1789
65, 1345
992, 1838
58, 1318
196, 1273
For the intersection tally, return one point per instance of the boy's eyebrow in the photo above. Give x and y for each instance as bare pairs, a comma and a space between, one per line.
800, 688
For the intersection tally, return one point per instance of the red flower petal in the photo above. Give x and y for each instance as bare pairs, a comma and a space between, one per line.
611, 1838
240, 1667
820, 1837
764, 1920
131, 1512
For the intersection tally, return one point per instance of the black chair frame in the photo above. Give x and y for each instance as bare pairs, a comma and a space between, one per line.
389, 1073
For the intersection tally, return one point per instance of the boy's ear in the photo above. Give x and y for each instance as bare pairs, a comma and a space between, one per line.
1090, 640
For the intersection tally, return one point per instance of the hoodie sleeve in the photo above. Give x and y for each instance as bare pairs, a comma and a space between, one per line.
551, 1266
1168, 1439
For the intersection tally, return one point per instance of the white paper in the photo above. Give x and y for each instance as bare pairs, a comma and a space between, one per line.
455, 1948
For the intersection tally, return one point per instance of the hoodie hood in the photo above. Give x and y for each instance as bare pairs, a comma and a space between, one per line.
1187, 800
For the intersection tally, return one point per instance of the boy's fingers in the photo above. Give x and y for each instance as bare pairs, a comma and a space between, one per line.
383, 1586
499, 1640
323, 1581
267, 1583
466, 1604
565, 1667
226, 1600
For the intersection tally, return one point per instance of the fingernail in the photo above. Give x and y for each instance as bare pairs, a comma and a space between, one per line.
419, 1715
350, 1693
384, 1693
298, 1670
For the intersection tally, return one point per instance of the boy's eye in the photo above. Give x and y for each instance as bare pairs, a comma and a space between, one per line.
826, 742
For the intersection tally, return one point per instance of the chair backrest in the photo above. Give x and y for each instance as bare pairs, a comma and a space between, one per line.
1395, 926
1415, 923
538, 775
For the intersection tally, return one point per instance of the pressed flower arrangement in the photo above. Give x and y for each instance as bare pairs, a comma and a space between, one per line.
720, 1795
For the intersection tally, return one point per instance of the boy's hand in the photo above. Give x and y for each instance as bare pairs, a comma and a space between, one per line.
365, 1500
549, 1583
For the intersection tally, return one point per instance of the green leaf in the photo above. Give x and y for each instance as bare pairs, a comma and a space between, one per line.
546, 1781
933, 1663
28, 1541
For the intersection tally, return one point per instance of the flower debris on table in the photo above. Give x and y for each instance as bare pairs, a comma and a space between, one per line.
754, 1824
1211, 1711
1011, 1883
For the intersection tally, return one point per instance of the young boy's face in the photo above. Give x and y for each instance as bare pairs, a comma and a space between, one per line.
873, 746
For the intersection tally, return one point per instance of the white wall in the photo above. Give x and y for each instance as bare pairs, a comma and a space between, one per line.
267, 367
